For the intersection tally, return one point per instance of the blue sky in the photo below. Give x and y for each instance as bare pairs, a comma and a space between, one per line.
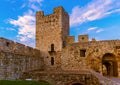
98, 18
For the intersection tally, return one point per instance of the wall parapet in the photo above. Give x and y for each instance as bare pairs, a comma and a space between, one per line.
16, 58
17, 48
84, 39
70, 39
81, 38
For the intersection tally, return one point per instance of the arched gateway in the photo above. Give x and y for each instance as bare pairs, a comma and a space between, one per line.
77, 84
109, 65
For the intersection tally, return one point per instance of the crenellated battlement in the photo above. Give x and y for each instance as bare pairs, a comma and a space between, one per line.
40, 13
70, 39
52, 19
59, 9
81, 38
84, 39
56, 10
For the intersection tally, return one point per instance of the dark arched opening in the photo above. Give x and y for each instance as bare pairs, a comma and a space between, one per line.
52, 61
52, 47
77, 84
109, 65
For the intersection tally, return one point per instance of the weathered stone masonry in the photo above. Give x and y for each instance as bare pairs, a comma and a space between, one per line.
16, 58
58, 59
62, 53
53, 40
95, 51
51, 32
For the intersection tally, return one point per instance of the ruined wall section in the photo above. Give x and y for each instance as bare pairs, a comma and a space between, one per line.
16, 58
93, 51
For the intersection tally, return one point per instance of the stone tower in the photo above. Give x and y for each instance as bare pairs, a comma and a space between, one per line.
51, 30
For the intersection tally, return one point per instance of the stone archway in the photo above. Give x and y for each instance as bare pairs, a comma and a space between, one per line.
77, 84
109, 65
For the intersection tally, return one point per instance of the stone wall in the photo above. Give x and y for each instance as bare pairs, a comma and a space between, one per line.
63, 78
68, 54
83, 38
62, 59
94, 51
16, 58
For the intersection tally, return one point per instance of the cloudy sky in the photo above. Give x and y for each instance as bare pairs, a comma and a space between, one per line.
98, 18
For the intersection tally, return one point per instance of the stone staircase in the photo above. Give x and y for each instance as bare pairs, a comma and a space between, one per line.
105, 80
62, 77
115, 79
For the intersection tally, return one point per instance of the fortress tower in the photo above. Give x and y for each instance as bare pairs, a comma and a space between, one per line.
51, 30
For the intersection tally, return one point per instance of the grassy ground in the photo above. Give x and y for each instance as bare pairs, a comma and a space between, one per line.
8, 82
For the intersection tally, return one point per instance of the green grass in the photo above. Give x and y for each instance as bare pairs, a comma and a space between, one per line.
17, 82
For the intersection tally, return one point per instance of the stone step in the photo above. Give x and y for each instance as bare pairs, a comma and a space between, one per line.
115, 79
104, 80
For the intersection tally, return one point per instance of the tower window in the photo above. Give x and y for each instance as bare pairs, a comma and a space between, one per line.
52, 61
82, 38
82, 53
7, 44
52, 47
63, 44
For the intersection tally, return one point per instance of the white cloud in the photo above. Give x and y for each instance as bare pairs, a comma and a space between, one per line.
38, 1
26, 23
100, 30
92, 28
97, 9
35, 4
95, 29
10, 29
113, 11
23, 5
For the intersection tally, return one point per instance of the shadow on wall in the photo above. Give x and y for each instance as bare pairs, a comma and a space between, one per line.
77, 84
109, 65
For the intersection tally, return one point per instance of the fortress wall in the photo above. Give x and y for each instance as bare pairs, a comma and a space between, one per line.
16, 58
83, 38
94, 50
70, 39
19, 48
6, 45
